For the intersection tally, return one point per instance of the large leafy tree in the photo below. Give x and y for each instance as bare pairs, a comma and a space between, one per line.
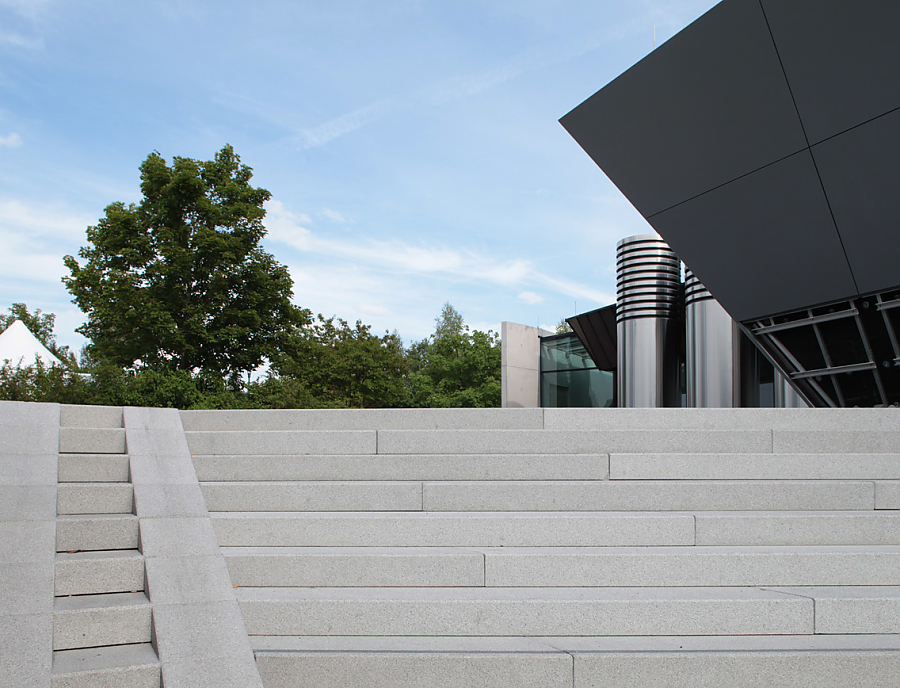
179, 281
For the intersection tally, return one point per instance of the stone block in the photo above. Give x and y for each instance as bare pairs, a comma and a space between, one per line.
187, 580
93, 468
692, 566
454, 530
93, 573
178, 537
283, 442
26, 649
599, 495
362, 419
868, 609
354, 567
313, 496
116, 666
96, 532
784, 528
836, 441
887, 494
659, 466
74, 416
27, 469
92, 440
404, 467
26, 588
155, 501
189, 635
569, 441
163, 469
29, 428
27, 542
95, 498
523, 611
27, 503
97, 620
415, 669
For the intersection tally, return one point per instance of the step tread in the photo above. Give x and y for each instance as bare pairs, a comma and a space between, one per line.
77, 603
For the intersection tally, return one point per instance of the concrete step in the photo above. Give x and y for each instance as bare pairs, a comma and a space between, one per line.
91, 440
417, 529
117, 666
524, 611
94, 498
74, 416
97, 620
797, 528
94, 468
660, 466
363, 419
664, 495
212, 468
92, 573
562, 567
313, 496
836, 661
96, 532
341, 442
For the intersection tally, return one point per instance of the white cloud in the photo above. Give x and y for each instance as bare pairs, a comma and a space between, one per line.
12, 140
332, 215
370, 309
530, 297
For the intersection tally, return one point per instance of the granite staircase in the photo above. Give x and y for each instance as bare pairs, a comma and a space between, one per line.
101, 615
560, 547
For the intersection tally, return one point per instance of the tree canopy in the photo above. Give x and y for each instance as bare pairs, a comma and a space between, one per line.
179, 281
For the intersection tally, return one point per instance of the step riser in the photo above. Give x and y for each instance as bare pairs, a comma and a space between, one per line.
377, 617
93, 468
324, 567
798, 529
116, 666
312, 496
71, 416
96, 533
100, 627
95, 498
92, 576
404, 467
91, 440
468, 530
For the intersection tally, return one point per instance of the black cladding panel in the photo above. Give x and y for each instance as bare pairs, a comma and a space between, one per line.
706, 107
860, 172
841, 57
762, 244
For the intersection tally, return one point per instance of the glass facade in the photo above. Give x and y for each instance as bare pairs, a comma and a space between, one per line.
569, 377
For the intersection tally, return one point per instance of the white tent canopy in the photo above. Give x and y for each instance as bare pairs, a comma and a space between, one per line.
18, 347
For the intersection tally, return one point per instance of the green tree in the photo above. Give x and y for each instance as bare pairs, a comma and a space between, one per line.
179, 281
341, 365
455, 367
562, 327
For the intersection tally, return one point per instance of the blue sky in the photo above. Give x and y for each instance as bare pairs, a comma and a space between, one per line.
412, 148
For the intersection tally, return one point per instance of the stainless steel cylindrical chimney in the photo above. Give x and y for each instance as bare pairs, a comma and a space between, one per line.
648, 278
711, 357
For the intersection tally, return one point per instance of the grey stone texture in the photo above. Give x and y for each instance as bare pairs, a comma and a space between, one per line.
863, 609
887, 494
834, 441
96, 532
454, 530
27, 502
26, 649
791, 528
188, 580
659, 466
90, 573
74, 416
212, 468
313, 496
117, 666
283, 442
681, 495
91, 441
354, 567
178, 536
161, 501
523, 611
97, 620
95, 498
570, 441
29, 428
93, 468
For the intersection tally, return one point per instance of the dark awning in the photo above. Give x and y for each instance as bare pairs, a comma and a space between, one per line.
597, 332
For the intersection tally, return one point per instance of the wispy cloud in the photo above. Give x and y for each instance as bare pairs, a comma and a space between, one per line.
531, 298
12, 140
19, 41
26, 8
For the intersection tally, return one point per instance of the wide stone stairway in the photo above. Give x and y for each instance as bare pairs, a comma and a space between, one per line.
510, 548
